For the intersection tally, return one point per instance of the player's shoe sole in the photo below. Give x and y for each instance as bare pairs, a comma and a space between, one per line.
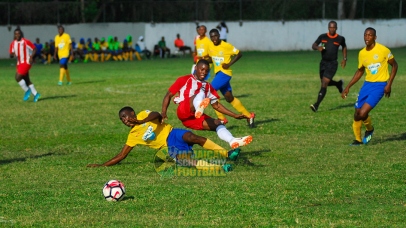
368, 136
238, 142
199, 112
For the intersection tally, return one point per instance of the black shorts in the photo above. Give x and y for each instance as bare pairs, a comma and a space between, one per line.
328, 69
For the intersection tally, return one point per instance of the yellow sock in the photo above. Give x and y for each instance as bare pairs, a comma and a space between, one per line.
220, 115
95, 57
108, 57
67, 75
138, 56
49, 59
210, 145
86, 57
239, 107
125, 56
368, 124
61, 74
204, 165
114, 58
71, 58
102, 57
131, 55
356, 127
120, 57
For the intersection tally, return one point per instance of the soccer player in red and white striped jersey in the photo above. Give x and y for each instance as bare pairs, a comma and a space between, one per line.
24, 51
195, 94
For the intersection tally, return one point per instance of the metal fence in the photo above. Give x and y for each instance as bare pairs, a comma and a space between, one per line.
93, 11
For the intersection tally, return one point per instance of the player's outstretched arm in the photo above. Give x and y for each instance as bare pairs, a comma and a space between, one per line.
220, 108
165, 105
119, 157
358, 74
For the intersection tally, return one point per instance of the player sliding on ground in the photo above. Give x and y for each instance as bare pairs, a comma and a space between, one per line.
147, 129
194, 95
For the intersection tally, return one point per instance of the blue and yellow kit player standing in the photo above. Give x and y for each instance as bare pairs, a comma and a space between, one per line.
202, 43
224, 55
63, 47
375, 59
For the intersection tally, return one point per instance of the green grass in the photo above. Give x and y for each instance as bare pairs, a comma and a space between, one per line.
298, 172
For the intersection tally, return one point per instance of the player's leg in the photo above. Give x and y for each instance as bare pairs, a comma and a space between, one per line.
64, 63
23, 85
32, 87
199, 103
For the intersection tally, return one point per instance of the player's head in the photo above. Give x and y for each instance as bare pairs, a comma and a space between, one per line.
215, 36
18, 34
202, 69
61, 29
332, 28
369, 36
202, 30
125, 113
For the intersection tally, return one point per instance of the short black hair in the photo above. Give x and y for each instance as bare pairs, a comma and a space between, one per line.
334, 22
19, 30
372, 29
214, 30
203, 61
125, 109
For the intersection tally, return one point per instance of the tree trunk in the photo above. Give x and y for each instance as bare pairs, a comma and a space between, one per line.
82, 10
340, 10
353, 9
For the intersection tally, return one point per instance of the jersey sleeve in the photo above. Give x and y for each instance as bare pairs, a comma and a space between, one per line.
232, 50
177, 85
30, 44
343, 44
360, 60
389, 54
318, 40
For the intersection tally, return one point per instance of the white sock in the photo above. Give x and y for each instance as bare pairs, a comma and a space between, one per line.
23, 85
224, 134
33, 90
198, 99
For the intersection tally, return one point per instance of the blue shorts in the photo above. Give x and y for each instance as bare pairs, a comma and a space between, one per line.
176, 144
370, 93
221, 82
63, 61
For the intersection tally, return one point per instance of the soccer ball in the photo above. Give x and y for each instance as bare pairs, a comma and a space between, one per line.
113, 190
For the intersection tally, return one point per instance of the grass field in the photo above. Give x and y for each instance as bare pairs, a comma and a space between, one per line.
298, 172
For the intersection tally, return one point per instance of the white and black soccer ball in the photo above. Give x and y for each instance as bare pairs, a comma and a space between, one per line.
113, 190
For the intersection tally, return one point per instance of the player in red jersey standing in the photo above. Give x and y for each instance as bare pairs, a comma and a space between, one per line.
24, 51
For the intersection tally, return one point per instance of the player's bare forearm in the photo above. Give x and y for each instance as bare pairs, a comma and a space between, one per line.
220, 108
394, 70
119, 157
358, 74
234, 60
165, 105
152, 116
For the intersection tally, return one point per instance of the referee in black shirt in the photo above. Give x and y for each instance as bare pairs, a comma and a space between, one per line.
330, 42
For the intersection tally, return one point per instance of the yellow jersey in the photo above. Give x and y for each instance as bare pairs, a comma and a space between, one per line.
152, 134
62, 43
202, 46
375, 62
222, 54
